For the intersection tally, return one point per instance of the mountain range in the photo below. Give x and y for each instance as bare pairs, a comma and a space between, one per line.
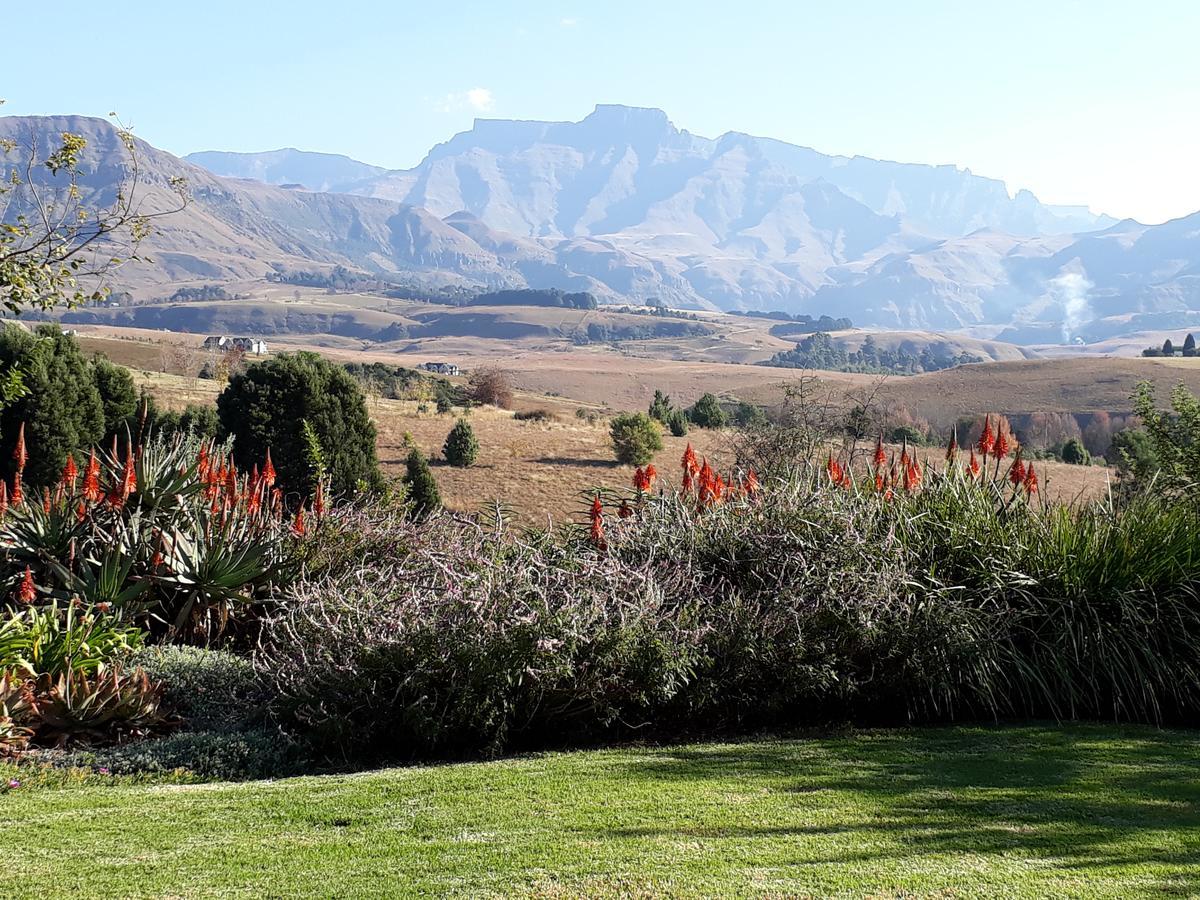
628, 206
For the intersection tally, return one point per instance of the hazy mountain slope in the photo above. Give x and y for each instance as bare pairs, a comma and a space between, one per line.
610, 171
314, 171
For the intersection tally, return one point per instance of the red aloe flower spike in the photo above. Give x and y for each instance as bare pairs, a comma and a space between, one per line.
1001, 447
80, 511
20, 454
1031, 480
880, 458
27, 592
596, 515
299, 528
3, 498
18, 494
651, 475
231, 485
987, 438
973, 466
640, 482
319, 500
70, 471
878, 481
1016, 474
91, 480
752, 485
46, 500
624, 511
129, 476
952, 447
268, 471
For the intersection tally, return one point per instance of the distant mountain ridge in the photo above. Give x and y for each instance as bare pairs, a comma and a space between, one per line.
627, 206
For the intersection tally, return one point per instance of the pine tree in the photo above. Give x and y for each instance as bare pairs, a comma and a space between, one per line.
1168, 348
423, 491
461, 448
1189, 345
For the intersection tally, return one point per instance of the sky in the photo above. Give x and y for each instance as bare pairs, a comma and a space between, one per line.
1081, 102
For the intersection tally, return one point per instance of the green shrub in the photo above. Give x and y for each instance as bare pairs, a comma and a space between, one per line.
661, 409
461, 448
210, 690
265, 408
62, 411
220, 756
423, 493
1075, 453
635, 438
118, 396
707, 413
678, 423
534, 415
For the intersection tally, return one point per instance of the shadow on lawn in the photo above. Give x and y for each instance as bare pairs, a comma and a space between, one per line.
1063, 794
581, 462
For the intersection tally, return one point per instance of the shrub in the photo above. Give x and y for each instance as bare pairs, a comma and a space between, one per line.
265, 408
210, 690
1075, 453
423, 493
678, 423
461, 448
534, 415
491, 387
747, 415
253, 754
635, 438
466, 642
707, 413
661, 409
118, 396
62, 411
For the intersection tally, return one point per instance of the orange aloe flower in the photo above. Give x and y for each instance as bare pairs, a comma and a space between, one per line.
880, 457
268, 471
1031, 480
3, 498
91, 480
299, 528
1016, 474
973, 466
80, 511
1001, 448
952, 447
27, 592
46, 500
20, 454
651, 475
597, 523
70, 471
641, 482
319, 500
18, 494
751, 484
987, 438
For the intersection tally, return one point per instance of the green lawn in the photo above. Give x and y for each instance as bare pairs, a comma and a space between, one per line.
1028, 811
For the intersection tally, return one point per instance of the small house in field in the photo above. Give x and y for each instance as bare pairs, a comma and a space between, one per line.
252, 346
441, 368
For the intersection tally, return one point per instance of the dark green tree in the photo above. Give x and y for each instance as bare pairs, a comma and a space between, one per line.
118, 396
635, 438
707, 413
1075, 453
267, 405
1168, 349
660, 407
678, 423
461, 448
61, 410
747, 415
1189, 345
423, 491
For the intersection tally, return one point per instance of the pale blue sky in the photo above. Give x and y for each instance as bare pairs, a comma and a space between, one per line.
1082, 102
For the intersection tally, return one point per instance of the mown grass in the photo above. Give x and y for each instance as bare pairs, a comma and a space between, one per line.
1026, 811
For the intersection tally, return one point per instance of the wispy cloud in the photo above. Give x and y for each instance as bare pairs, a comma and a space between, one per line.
568, 23
479, 99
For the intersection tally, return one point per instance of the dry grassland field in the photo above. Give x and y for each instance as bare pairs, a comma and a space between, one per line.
541, 471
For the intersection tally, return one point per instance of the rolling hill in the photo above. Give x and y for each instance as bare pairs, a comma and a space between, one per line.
627, 206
